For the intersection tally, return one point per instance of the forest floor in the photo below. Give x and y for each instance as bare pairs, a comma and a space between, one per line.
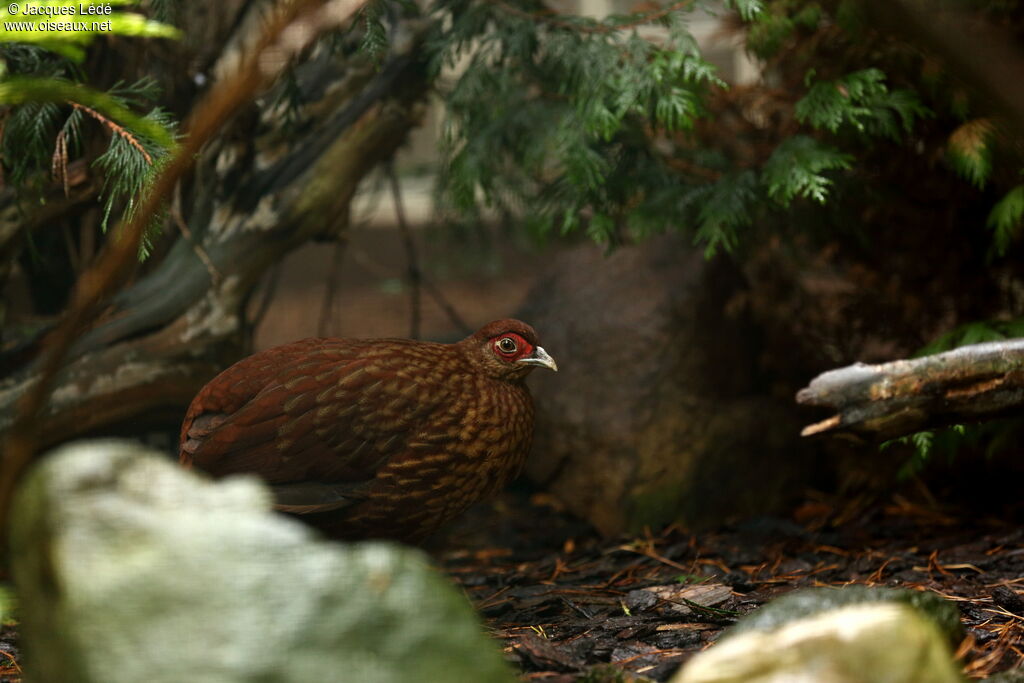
570, 606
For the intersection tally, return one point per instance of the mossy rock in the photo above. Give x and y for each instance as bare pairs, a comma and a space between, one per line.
810, 601
867, 642
131, 569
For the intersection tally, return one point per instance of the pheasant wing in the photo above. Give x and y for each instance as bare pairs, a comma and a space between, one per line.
318, 418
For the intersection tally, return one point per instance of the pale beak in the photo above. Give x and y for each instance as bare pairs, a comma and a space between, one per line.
540, 358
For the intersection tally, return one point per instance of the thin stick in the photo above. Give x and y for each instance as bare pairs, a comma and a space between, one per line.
413, 272
449, 310
186, 232
267, 295
333, 277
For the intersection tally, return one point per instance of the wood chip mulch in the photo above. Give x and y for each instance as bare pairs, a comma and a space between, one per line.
570, 606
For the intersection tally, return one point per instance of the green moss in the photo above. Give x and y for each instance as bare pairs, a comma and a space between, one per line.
656, 505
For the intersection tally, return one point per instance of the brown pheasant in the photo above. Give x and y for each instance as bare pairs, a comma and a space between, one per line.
381, 438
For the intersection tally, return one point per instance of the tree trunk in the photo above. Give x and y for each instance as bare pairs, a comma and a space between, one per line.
256, 194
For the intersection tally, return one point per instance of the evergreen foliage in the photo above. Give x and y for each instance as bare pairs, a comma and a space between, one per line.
559, 118
1006, 217
862, 101
46, 104
942, 446
570, 122
581, 123
970, 151
604, 126
796, 167
977, 332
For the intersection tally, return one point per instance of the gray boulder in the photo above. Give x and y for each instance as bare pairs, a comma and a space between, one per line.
657, 412
130, 569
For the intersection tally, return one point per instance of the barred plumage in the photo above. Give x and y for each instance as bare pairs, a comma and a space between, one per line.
383, 438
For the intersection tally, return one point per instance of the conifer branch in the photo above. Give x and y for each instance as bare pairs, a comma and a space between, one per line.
116, 129
413, 272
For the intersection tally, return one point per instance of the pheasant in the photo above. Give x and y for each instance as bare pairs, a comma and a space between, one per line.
375, 438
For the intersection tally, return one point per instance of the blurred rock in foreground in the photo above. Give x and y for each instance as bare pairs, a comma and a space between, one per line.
862, 637
130, 569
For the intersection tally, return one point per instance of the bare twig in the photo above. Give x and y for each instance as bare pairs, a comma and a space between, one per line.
215, 275
291, 27
413, 273
74, 259
333, 277
448, 309
266, 297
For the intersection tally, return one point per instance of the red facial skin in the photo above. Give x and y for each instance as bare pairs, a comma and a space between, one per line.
523, 348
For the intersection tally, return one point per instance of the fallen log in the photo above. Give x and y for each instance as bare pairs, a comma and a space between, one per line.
888, 400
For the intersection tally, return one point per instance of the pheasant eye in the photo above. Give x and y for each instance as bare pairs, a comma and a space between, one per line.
507, 345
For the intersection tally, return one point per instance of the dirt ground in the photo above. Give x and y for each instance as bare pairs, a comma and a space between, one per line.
570, 606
